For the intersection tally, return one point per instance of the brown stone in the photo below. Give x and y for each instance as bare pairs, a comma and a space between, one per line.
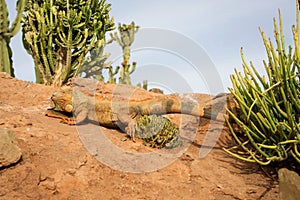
10, 153
289, 185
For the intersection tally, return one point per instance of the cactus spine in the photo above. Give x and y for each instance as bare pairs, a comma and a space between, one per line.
6, 33
59, 34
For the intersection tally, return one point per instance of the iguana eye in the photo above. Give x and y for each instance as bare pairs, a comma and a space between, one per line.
68, 108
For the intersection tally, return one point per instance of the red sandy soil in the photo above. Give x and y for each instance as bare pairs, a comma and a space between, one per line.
56, 165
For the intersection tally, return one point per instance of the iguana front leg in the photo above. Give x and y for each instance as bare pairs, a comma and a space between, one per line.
64, 118
128, 117
130, 129
81, 115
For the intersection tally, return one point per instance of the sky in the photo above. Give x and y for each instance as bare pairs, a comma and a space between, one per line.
186, 46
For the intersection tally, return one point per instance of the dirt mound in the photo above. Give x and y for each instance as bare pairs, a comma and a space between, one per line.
56, 165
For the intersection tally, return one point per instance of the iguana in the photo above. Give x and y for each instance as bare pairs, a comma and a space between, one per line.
119, 105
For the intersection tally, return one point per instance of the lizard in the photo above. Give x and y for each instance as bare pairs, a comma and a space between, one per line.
117, 105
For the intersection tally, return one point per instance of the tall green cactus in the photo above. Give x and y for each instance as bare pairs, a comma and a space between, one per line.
125, 40
127, 70
6, 33
112, 74
59, 34
95, 63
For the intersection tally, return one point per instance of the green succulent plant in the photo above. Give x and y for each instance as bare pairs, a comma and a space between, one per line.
6, 33
59, 34
95, 63
158, 131
269, 106
125, 37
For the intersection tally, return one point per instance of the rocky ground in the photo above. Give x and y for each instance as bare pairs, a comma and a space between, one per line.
56, 165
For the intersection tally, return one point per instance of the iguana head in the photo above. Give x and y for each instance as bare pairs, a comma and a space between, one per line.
62, 100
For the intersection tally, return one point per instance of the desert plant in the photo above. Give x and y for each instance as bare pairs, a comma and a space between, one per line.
143, 85
158, 131
59, 34
125, 38
269, 107
112, 72
95, 63
126, 70
6, 33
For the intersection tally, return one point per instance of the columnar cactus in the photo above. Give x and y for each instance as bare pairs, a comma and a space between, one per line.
127, 70
112, 74
144, 85
6, 33
125, 40
59, 34
95, 63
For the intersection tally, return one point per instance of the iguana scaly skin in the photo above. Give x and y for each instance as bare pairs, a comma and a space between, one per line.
119, 105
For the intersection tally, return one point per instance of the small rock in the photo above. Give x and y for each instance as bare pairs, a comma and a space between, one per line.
10, 153
289, 185
156, 90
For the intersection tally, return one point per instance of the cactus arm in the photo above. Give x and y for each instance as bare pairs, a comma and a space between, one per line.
64, 53
112, 74
4, 20
52, 20
68, 53
43, 44
6, 33
16, 25
127, 70
5, 57
5, 62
